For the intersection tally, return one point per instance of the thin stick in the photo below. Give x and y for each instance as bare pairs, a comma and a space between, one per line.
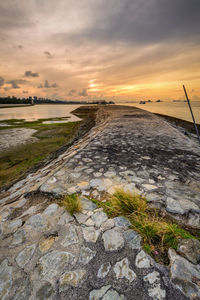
197, 132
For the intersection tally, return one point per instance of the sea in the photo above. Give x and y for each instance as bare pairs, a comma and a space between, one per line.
30, 113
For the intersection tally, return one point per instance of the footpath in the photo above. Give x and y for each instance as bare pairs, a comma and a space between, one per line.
45, 253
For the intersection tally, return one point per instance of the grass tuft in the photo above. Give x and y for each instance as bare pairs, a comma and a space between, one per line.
158, 233
72, 203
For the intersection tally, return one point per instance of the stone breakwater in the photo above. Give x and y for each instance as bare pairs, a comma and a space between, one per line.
48, 254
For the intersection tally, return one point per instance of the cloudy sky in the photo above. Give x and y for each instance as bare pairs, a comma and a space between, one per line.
108, 49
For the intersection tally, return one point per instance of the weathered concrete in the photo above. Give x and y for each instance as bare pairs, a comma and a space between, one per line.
48, 254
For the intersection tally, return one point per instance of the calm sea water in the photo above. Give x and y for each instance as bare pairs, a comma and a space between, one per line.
175, 109
32, 113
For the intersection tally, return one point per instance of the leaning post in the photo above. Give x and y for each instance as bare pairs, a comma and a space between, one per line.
195, 125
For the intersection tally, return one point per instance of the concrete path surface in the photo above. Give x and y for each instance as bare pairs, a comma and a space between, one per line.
48, 254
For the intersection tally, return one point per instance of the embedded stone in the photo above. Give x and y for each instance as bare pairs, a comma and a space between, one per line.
24, 291
113, 295
86, 255
65, 218
46, 243
25, 256
53, 263
133, 239
113, 240
149, 187
81, 218
189, 206
89, 222
98, 294
45, 292
72, 278
5, 279
109, 224
174, 206
110, 174
83, 185
90, 234
155, 290
98, 218
14, 225
122, 222
87, 204
51, 209
122, 270
19, 237
104, 270
71, 237
37, 222
185, 275
142, 260
190, 248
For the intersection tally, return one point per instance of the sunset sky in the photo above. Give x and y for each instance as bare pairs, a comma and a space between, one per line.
107, 49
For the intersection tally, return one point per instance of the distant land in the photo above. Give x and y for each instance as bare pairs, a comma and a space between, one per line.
36, 100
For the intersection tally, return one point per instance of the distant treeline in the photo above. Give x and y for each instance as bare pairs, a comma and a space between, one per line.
36, 100
14, 100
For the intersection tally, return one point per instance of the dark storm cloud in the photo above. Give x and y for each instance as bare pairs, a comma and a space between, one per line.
47, 85
48, 54
31, 74
15, 83
141, 21
71, 92
1, 81
83, 93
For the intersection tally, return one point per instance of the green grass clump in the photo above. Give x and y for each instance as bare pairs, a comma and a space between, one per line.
72, 203
158, 233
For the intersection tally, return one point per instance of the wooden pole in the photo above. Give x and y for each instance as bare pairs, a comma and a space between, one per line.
195, 125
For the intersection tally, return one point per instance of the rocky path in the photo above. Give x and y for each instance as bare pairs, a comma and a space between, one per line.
48, 254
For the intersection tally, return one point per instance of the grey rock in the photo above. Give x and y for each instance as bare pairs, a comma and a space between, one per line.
86, 255
37, 222
122, 222
122, 270
81, 218
194, 220
104, 270
98, 294
87, 204
5, 279
153, 197
65, 218
51, 209
142, 260
25, 255
133, 239
110, 174
95, 183
19, 237
184, 275
174, 206
98, 218
53, 263
149, 187
90, 234
24, 291
45, 291
71, 236
189, 206
113, 240
190, 248
12, 226
113, 295
72, 278
109, 224
154, 289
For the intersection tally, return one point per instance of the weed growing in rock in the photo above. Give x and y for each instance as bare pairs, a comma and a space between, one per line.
158, 233
72, 203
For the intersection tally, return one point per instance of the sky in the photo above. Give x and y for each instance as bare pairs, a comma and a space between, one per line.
121, 50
